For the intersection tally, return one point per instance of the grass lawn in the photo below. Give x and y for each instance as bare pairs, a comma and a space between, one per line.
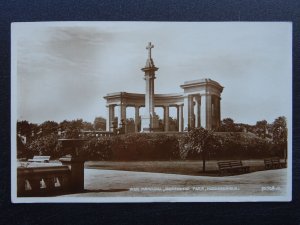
189, 167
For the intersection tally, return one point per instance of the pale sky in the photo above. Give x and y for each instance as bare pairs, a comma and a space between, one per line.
65, 69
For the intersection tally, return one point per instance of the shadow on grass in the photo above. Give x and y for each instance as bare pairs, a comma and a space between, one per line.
210, 173
169, 168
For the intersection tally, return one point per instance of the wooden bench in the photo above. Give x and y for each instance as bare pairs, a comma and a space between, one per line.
41, 159
274, 163
232, 167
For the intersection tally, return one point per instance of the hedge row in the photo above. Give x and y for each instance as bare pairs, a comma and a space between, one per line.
153, 146
133, 147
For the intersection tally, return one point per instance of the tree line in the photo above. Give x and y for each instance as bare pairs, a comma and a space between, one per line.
232, 140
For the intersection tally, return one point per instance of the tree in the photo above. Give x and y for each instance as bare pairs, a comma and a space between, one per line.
201, 140
227, 125
25, 128
87, 126
99, 123
280, 134
261, 128
43, 145
130, 125
48, 127
72, 128
173, 126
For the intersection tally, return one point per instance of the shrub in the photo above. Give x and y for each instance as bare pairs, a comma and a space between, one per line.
96, 149
44, 145
156, 146
145, 147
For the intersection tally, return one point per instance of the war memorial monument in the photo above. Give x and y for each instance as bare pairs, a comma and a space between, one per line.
198, 106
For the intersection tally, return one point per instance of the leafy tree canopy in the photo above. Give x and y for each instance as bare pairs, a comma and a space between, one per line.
279, 128
99, 123
201, 140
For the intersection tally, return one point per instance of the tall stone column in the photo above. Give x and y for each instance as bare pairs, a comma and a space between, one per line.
149, 96
166, 118
198, 111
149, 69
122, 115
187, 112
217, 111
110, 117
136, 118
180, 118
213, 112
203, 111
177, 112
208, 112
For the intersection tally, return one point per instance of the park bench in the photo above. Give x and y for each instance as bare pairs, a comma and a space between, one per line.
41, 159
232, 167
274, 163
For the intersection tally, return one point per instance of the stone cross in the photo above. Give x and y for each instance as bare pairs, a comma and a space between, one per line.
149, 46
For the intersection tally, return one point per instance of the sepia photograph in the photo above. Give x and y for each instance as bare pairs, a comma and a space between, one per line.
151, 111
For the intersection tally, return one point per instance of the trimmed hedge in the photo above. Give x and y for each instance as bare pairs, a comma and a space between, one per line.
240, 145
131, 147
158, 146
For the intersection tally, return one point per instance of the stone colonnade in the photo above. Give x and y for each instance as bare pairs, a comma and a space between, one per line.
122, 116
198, 106
202, 111
202, 99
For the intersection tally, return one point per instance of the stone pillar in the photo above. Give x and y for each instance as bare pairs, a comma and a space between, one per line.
76, 167
149, 69
147, 118
191, 112
166, 118
180, 118
110, 117
192, 121
208, 112
122, 115
177, 112
213, 113
136, 118
218, 112
198, 112
187, 112
203, 111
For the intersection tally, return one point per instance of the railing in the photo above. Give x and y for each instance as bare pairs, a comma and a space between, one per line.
43, 181
96, 134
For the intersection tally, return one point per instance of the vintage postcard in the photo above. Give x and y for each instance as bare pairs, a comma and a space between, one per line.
151, 111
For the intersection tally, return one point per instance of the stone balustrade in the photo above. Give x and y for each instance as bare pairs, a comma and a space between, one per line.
44, 180
96, 134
